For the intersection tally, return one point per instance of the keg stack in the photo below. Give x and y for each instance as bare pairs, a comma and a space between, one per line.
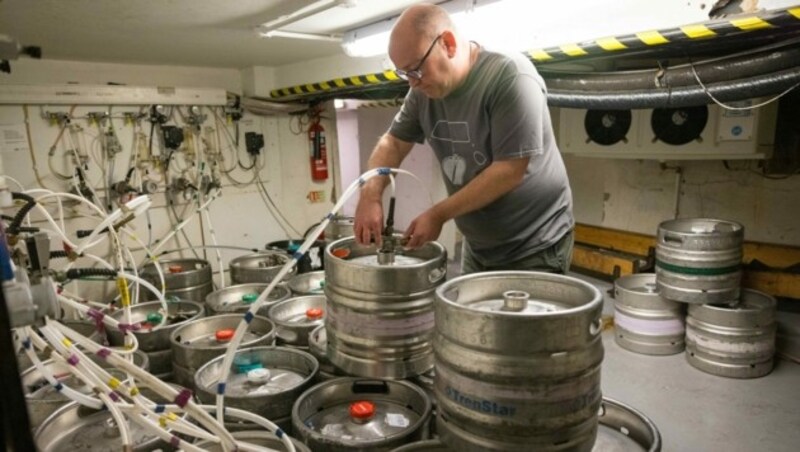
730, 331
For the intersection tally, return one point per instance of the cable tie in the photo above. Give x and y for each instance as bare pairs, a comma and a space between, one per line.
73, 360
113, 396
221, 389
67, 343
114, 383
134, 391
183, 397
384, 171
330, 216
58, 386
160, 408
248, 317
361, 182
297, 256
27, 343
279, 432
103, 353
175, 441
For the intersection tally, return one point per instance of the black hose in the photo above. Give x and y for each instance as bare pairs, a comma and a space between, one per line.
81, 233
708, 72
730, 91
79, 273
308, 231
30, 203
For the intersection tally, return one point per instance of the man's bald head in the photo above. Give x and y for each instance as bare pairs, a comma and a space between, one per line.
420, 22
425, 41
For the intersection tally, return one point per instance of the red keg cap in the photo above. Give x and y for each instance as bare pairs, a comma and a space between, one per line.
314, 313
175, 268
362, 410
224, 335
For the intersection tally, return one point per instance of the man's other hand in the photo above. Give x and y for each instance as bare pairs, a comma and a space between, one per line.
368, 223
425, 228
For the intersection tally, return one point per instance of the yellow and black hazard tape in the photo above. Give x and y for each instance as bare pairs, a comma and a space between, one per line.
382, 103
619, 45
648, 39
355, 81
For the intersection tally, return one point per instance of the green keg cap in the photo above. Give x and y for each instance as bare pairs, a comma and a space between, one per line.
154, 317
249, 297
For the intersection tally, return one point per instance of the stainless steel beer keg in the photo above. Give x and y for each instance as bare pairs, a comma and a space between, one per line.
698, 260
644, 321
380, 307
733, 341
155, 343
187, 279
238, 298
518, 359
263, 380
259, 267
297, 317
347, 414
198, 342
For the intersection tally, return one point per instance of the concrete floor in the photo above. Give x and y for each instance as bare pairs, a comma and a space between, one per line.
699, 412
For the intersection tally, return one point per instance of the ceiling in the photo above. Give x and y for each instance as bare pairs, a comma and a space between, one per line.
212, 33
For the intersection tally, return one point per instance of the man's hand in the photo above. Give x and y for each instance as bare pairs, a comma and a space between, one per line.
368, 221
425, 228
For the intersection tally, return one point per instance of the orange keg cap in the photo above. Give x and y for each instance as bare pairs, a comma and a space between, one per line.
314, 313
341, 253
224, 335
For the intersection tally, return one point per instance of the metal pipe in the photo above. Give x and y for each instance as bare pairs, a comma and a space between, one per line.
729, 91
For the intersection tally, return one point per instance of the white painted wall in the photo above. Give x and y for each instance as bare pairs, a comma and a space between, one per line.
239, 216
635, 195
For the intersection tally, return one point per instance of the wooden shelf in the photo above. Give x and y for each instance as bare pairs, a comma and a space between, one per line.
616, 253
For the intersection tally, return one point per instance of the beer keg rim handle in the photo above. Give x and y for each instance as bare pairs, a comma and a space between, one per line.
370, 386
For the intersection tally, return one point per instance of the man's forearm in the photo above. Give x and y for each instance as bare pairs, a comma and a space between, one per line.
495, 181
386, 154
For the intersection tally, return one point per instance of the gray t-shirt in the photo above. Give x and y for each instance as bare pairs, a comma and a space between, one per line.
498, 113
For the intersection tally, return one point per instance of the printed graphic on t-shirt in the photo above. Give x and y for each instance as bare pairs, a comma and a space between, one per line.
453, 132
454, 167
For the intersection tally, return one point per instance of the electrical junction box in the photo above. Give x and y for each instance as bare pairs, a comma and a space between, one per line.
707, 132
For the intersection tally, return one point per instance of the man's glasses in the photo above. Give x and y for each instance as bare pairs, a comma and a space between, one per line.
416, 73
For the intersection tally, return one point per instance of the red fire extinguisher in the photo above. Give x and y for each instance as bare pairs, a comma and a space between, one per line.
319, 151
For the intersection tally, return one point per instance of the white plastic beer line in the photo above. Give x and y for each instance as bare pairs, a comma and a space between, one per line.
552, 333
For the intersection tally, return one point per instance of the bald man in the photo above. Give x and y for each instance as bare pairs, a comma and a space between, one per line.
485, 116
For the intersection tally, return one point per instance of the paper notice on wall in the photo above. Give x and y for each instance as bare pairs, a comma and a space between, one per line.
13, 138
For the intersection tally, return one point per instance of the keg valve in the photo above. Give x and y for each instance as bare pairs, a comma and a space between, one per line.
389, 242
515, 300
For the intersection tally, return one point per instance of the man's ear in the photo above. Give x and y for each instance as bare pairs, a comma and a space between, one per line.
450, 43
